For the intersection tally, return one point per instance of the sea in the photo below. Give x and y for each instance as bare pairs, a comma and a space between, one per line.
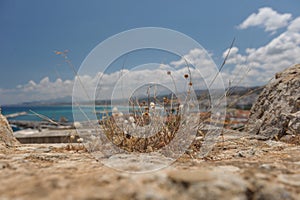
56, 112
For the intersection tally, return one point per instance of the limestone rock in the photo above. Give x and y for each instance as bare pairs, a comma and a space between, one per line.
52, 171
276, 112
209, 184
6, 133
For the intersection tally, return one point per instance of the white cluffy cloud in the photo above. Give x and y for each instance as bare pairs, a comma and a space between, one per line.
119, 84
32, 91
264, 61
267, 18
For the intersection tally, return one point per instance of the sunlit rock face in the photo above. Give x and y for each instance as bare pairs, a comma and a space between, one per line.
276, 112
6, 134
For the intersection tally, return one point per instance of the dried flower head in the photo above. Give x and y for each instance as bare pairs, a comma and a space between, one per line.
131, 119
80, 140
146, 114
166, 100
72, 137
77, 124
169, 72
190, 83
121, 114
115, 109
186, 75
152, 105
115, 115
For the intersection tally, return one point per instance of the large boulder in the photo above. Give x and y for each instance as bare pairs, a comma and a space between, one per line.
6, 134
276, 112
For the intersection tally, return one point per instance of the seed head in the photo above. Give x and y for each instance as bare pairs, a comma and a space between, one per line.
131, 119
115, 109
186, 75
146, 114
152, 105
80, 140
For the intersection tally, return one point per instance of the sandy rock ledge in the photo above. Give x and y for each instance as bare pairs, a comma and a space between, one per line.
239, 167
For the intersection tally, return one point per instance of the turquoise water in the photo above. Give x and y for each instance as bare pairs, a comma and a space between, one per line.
56, 112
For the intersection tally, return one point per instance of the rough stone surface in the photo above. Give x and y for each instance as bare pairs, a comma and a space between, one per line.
276, 112
240, 167
6, 133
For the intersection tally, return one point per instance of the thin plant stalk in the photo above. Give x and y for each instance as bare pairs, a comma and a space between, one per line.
44, 117
70, 64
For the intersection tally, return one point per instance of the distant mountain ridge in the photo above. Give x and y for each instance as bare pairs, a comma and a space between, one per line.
59, 101
232, 93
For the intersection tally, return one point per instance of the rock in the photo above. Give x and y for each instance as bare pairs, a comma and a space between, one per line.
290, 179
218, 183
271, 191
272, 173
6, 133
276, 112
294, 122
136, 162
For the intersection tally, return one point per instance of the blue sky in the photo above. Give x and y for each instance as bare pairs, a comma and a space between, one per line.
32, 30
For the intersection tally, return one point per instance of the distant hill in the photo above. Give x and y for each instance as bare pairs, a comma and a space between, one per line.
239, 90
59, 101
237, 97
243, 97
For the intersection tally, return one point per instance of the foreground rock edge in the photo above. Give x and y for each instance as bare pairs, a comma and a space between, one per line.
240, 167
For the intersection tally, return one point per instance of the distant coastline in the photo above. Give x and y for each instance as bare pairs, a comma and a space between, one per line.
232, 92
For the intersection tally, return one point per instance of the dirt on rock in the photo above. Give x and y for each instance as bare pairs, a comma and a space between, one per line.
241, 166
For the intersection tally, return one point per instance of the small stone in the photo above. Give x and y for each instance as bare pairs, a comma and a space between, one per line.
267, 190
265, 166
229, 168
190, 176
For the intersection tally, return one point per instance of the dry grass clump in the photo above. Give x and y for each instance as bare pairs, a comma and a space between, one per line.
156, 123
144, 129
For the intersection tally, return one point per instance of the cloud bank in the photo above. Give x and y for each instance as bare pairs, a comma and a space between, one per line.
261, 63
